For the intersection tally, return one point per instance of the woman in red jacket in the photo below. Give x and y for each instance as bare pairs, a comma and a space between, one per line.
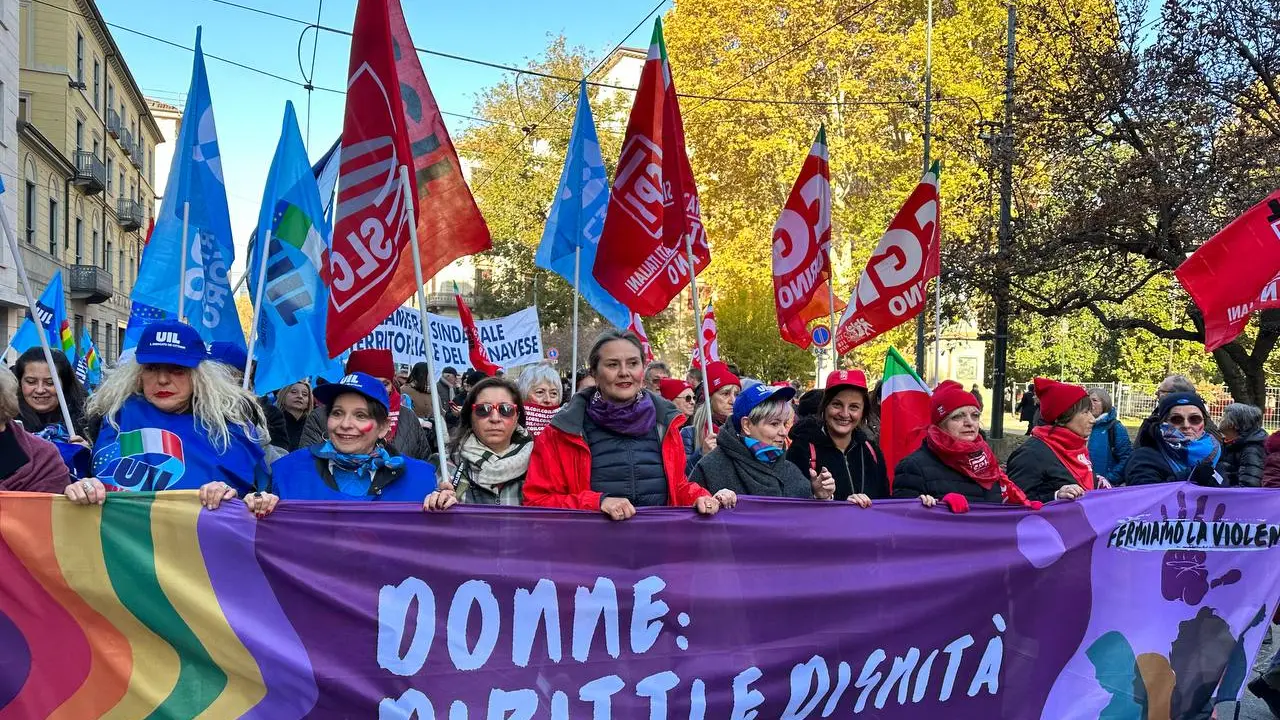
616, 446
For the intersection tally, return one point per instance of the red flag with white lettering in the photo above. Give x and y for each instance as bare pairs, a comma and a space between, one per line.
709, 340
475, 347
894, 285
637, 327
1235, 273
802, 250
642, 260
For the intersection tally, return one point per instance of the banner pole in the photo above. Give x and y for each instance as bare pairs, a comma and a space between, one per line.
12, 239
257, 309
437, 414
577, 269
937, 326
697, 328
182, 264
831, 298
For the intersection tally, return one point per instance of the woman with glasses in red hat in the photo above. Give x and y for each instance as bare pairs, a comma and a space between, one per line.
837, 441
489, 452
955, 464
678, 393
1053, 464
698, 439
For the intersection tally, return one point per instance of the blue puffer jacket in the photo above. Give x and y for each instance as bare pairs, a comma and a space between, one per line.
628, 467
1109, 447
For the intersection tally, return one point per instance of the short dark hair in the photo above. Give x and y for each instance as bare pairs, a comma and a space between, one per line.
606, 337
464, 415
449, 370
377, 410
1084, 404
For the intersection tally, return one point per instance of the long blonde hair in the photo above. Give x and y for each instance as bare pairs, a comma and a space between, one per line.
216, 401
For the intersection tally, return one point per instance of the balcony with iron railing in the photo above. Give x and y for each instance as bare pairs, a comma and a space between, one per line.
445, 301
137, 153
91, 174
90, 283
113, 123
129, 214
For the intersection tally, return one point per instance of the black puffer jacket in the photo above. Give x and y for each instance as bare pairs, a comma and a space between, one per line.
1035, 468
1242, 461
625, 466
859, 468
923, 473
732, 465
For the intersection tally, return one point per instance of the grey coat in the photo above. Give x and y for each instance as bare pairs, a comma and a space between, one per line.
733, 466
411, 439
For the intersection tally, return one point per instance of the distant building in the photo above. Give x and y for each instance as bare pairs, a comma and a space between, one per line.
169, 118
10, 294
87, 159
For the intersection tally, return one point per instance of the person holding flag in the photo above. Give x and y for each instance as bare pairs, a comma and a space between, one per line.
701, 433
38, 406
838, 441
954, 464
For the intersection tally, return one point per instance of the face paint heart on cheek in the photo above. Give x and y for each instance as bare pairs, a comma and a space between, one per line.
365, 427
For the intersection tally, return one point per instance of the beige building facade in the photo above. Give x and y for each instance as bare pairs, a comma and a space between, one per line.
87, 164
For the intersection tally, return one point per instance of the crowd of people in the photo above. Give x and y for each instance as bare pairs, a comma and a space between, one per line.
619, 436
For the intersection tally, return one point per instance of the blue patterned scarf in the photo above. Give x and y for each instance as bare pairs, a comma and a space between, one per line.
354, 473
764, 452
1184, 453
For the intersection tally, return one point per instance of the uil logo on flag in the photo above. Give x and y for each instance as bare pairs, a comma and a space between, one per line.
143, 460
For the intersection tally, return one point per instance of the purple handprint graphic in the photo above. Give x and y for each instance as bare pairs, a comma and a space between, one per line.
1185, 573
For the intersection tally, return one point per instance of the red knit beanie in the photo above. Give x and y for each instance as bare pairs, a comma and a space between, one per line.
718, 376
670, 388
1057, 397
948, 397
372, 361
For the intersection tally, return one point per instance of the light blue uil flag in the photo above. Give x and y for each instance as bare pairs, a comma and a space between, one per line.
195, 181
292, 319
577, 217
51, 311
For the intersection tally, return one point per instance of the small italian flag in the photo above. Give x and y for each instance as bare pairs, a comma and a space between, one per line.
904, 411
150, 440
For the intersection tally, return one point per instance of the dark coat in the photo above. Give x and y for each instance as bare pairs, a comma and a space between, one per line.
627, 466
733, 466
1036, 469
859, 468
275, 424
1148, 464
410, 440
923, 473
1027, 407
1242, 461
1271, 466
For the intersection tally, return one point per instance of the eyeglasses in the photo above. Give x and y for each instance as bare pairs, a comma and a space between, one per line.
1185, 421
484, 410
686, 398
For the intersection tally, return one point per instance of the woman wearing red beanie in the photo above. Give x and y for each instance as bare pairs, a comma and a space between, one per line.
955, 464
1053, 464
725, 387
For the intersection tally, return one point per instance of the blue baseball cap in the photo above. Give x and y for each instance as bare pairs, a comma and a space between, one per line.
753, 395
170, 342
229, 353
356, 382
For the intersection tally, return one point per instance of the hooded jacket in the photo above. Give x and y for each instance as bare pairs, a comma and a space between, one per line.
859, 468
1243, 460
1271, 466
733, 466
1109, 447
560, 470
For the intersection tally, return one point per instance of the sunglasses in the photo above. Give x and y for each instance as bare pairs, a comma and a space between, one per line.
686, 398
1184, 421
484, 410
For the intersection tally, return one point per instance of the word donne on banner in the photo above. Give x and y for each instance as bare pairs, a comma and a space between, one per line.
150, 606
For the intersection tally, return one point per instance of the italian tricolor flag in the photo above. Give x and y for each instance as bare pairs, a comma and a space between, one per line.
904, 411
150, 440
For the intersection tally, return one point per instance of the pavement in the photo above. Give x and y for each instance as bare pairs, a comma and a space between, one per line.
1251, 708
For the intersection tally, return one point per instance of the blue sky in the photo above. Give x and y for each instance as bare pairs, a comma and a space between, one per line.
248, 107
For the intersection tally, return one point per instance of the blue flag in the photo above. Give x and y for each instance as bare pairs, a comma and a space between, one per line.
51, 310
195, 180
577, 217
295, 300
88, 363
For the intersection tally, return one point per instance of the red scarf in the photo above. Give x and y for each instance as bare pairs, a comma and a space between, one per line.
1071, 450
393, 414
975, 460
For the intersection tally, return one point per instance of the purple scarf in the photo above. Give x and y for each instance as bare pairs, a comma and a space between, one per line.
634, 418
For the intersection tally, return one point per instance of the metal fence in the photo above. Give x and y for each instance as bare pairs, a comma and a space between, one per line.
1134, 402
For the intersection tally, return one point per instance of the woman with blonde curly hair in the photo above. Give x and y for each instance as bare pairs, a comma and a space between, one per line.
173, 420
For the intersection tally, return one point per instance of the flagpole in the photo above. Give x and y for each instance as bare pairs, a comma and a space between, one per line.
577, 269
12, 239
182, 264
257, 308
831, 298
697, 328
437, 415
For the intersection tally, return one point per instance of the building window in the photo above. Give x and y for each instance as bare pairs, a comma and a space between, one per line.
30, 205
111, 95
95, 147
24, 108
4, 101
120, 274
110, 174
93, 333
93, 259
53, 227
79, 241
79, 327
79, 57
97, 84
106, 258
79, 135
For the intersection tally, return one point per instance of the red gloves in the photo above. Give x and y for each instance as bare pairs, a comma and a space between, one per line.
1035, 504
957, 502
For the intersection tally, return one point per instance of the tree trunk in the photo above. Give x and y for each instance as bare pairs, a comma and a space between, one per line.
1245, 376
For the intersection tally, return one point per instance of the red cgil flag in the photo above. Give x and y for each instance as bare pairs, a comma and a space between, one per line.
709, 337
637, 327
1236, 272
802, 250
893, 286
391, 122
642, 260
151, 227
475, 347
